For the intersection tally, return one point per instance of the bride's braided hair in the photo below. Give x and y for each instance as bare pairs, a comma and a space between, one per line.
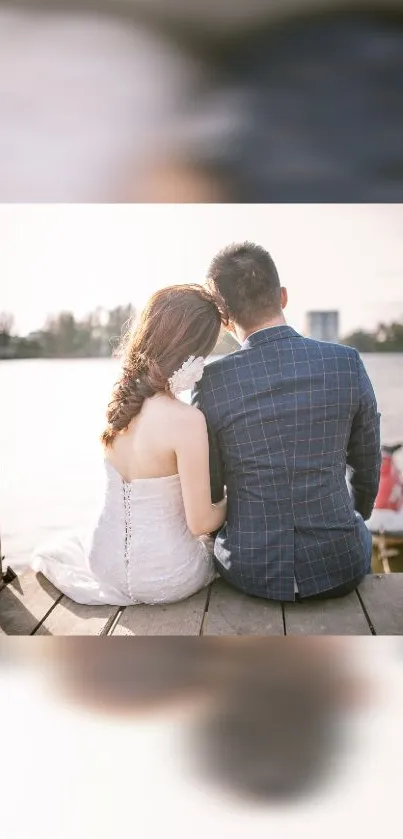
178, 321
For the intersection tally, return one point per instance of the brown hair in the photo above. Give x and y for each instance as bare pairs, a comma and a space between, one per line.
244, 280
177, 322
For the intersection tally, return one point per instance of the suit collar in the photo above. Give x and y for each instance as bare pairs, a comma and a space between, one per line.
272, 333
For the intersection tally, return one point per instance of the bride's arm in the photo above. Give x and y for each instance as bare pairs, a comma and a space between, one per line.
192, 454
217, 480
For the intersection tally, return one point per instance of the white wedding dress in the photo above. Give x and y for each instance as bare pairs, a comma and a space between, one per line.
140, 551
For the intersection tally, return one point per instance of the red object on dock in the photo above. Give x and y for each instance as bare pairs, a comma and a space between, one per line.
390, 495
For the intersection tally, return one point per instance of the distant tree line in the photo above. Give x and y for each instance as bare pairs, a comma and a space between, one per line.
385, 338
63, 336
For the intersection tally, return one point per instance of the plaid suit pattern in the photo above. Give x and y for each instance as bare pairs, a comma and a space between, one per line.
286, 417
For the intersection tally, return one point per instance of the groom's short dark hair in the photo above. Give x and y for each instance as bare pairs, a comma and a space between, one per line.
244, 279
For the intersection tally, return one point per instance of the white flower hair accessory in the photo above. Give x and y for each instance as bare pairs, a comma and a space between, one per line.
186, 377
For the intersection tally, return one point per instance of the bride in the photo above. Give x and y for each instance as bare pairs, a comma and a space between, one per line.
149, 544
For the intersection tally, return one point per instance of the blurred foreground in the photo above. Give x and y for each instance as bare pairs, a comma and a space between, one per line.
166, 100
301, 735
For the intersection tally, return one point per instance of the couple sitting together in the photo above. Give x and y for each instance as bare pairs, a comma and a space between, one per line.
249, 481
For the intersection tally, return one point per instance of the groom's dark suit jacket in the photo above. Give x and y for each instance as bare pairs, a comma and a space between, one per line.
286, 415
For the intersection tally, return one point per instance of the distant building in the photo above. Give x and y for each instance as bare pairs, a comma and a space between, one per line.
323, 326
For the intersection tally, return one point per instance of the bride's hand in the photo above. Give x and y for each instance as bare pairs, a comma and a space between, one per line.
221, 508
220, 504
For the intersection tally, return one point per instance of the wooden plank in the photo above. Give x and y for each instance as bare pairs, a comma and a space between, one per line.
231, 612
183, 618
24, 602
382, 596
340, 616
69, 618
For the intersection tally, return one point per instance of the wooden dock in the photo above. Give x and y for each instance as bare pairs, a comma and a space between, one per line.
30, 605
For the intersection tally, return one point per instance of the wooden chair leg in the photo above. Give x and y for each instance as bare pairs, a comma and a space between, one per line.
385, 552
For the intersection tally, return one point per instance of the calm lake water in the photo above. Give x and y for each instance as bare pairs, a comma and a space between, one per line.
52, 413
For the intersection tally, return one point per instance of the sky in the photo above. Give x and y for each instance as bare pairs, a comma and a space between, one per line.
76, 257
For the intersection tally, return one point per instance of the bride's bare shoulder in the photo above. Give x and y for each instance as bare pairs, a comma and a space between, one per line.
179, 412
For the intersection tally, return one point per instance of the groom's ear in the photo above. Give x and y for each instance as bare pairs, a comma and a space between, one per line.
284, 297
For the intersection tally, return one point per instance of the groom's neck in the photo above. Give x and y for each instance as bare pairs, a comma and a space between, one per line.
242, 334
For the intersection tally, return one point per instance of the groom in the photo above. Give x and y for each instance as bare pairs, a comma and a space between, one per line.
286, 415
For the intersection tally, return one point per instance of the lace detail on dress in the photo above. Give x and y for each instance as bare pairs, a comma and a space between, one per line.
127, 501
140, 551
